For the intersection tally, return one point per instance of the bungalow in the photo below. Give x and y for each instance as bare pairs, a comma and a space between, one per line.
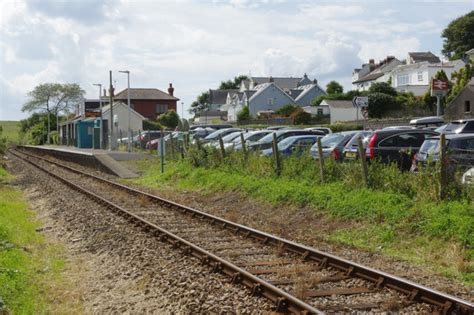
341, 110
210, 116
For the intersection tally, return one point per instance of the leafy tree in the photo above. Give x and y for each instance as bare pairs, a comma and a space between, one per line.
287, 110
53, 98
462, 77
151, 125
334, 88
233, 84
169, 119
200, 104
458, 36
300, 117
382, 87
244, 114
380, 103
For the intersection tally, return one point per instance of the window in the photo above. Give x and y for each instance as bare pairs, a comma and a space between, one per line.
420, 76
161, 108
403, 140
270, 101
467, 106
402, 79
320, 111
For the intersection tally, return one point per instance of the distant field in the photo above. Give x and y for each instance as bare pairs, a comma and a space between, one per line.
11, 129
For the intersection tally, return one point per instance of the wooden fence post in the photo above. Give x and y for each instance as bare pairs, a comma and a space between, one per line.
321, 159
443, 162
363, 161
221, 144
172, 146
276, 154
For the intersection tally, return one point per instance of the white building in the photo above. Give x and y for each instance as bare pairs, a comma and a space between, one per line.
341, 110
120, 113
379, 73
416, 77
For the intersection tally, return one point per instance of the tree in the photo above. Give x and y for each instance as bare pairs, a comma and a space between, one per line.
169, 119
382, 87
334, 88
461, 77
151, 125
53, 98
287, 110
458, 36
244, 114
300, 117
200, 104
380, 103
235, 84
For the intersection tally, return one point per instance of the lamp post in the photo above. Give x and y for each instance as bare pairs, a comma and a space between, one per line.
182, 110
101, 139
128, 103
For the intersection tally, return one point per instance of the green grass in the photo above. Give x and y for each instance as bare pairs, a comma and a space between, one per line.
29, 266
416, 228
11, 130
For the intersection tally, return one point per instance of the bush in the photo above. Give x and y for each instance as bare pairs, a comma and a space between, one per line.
169, 119
151, 125
380, 103
287, 110
382, 87
300, 117
244, 114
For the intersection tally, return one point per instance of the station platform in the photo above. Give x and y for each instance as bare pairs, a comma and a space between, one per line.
103, 160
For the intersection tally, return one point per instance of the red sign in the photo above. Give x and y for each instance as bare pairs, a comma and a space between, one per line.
438, 84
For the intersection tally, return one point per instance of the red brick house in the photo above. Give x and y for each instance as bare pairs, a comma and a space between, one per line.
149, 102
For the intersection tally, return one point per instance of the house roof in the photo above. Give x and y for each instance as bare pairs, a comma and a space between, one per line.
339, 103
144, 94
219, 96
261, 87
106, 108
305, 90
285, 83
371, 76
380, 71
424, 56
470, 51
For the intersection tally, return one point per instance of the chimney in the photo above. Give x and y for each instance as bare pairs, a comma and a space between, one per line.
270, 79
371, 61
171, 89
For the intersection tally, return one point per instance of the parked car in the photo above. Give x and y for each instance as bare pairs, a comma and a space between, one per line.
426, 122
351, 150
278, 127
459, 149
201, 132
333, 144
468, 177
293, 145
323, 129
142, 139
249, 138
226, 139
218, 133
396, 145
213, 126
460, 126
266, 142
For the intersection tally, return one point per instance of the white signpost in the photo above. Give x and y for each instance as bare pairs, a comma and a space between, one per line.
360, 101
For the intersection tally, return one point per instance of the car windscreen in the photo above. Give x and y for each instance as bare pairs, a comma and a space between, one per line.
332, 140
430, 146
267, 138
454, 126
215, 134
231, 136
285, 143
365, 135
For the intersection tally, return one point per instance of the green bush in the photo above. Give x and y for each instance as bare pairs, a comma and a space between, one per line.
169, 119
287, 110
300, 117
244, 114
151, 125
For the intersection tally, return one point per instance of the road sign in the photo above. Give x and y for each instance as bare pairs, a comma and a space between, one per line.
360, 101
439, 87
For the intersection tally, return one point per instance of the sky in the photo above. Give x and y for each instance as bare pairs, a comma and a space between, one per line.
196, 44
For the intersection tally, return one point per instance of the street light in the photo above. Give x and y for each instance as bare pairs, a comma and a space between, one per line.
182, 110
101, 139
128, 103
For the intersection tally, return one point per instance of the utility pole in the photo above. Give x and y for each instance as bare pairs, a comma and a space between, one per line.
129, 134
101, 139
111, 123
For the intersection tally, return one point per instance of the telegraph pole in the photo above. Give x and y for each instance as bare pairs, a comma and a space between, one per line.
111, 123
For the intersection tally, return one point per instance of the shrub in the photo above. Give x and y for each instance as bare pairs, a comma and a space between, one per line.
300, 117
287, 110
169, 119
151, 125
244, 114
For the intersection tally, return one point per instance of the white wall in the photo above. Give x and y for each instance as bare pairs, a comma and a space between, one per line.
136, 121
345, 114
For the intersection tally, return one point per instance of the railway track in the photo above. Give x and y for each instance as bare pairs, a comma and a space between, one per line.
297, 278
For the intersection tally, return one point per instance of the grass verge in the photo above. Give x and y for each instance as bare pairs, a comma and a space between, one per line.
435, 234
30, 267
11, 130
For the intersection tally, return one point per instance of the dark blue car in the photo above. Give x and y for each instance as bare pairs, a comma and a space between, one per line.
293, 145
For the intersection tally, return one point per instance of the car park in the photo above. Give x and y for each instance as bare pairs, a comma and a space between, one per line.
226, 139
351, 150
213, 126
460, 126
293, 145
249, 138
459, 150
144, 137
266, 142
333, 144
218, 133
326, 130
396, 145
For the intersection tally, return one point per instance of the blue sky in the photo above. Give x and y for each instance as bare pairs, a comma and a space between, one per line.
196, 44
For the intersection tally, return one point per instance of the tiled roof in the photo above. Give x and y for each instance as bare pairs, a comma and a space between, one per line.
144, 94
424, 56
339, 103
371, 76
285, 83
219, 96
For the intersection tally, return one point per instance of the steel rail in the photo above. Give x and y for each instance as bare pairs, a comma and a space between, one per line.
284, 302
416, 292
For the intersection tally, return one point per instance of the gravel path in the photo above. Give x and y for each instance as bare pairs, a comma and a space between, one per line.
119, 269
